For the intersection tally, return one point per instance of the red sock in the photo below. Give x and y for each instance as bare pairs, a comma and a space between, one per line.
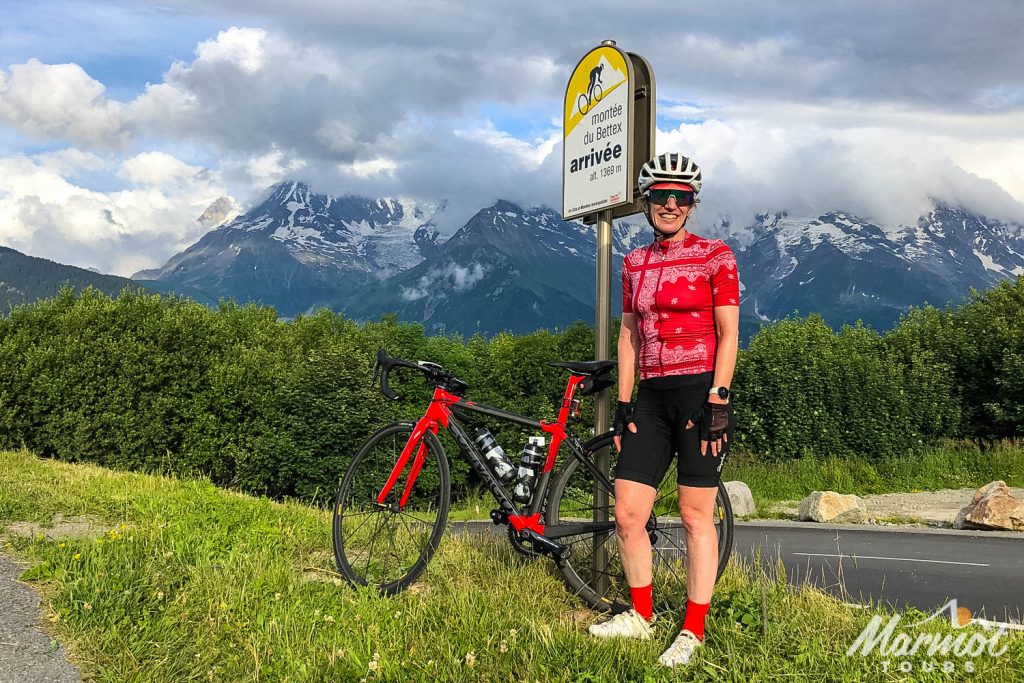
643, 600
694, 619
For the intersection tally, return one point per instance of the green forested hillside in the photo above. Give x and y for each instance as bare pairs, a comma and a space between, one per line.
24, 279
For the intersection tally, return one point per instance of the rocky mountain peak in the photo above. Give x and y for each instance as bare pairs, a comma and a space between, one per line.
219, 212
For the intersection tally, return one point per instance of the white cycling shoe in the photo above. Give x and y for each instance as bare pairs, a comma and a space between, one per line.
680, 651
624, 625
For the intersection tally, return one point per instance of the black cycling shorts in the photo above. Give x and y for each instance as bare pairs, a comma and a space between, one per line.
663, 407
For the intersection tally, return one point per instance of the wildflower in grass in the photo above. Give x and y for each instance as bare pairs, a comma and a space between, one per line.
87, 606
277, 596
374, 665
76, 556
470, 659
223, 605
328, 618
503, 647
159, 595
61, 545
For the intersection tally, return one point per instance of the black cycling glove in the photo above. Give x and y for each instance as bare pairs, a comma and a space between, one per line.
623, 416
714, 420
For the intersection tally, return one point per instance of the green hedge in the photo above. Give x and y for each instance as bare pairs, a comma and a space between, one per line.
164, 384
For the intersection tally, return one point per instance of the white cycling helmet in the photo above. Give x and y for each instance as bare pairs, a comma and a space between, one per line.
669, 168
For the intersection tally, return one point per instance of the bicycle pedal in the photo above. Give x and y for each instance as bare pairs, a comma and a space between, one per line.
499, 517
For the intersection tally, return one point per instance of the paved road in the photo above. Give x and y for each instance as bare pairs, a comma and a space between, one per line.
913, 566
924, 568
27, 655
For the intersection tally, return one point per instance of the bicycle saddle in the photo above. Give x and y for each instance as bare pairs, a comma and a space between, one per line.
584, 367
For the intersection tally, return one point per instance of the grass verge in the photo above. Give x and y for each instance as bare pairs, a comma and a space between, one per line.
187, 582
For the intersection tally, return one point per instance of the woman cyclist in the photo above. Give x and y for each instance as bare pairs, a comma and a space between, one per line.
680, 331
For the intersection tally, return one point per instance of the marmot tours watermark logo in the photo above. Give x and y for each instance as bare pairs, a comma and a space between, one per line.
946, 652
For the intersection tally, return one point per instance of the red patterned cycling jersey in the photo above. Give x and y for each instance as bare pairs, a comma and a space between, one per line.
672, 288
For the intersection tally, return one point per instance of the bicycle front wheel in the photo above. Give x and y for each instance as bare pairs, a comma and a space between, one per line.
593, 569
384, 544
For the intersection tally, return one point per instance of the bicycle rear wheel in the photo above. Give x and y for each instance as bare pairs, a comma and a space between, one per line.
583, 104
378, 544
569, 518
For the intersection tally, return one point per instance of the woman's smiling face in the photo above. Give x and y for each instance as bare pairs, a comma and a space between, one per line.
669, 218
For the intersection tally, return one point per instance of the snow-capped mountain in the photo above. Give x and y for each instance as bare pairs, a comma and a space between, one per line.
849, 269
510, 268
297, 250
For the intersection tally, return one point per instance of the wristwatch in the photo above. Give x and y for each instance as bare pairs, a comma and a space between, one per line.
722, 392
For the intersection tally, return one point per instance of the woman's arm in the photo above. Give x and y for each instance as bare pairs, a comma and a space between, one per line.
629, 355
727, 332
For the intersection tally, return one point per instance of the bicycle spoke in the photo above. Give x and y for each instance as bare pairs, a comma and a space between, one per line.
369, 554
361, 525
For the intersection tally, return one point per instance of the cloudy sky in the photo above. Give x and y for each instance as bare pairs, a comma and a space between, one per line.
120, 121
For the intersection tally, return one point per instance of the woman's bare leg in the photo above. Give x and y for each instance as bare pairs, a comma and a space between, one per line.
697, 508
633, 504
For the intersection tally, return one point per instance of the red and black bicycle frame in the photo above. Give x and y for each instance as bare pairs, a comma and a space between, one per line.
442, 412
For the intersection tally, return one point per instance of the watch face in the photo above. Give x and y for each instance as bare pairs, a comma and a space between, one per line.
723, 393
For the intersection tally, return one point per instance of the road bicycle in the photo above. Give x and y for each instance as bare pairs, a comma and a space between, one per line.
586, 100
393, 503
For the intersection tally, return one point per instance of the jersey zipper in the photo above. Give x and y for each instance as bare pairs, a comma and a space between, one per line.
661, 339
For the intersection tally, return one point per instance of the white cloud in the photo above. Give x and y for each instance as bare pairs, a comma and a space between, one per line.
157, 168
43, 214
460, 278
523, 153
370, 167
873, 162
60, 101
241, 47
272, 167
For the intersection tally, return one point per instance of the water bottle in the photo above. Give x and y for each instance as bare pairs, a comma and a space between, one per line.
495, 456
533, 459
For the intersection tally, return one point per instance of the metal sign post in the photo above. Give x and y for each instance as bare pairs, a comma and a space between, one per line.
608, 132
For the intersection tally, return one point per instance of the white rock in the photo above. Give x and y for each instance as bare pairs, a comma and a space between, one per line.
829, 506
740, 497
992, 507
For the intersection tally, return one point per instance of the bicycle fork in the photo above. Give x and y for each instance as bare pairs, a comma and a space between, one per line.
415, 442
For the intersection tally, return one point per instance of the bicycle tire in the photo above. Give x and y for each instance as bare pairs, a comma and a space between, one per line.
576, 569
422, 520
583, 104
598, 94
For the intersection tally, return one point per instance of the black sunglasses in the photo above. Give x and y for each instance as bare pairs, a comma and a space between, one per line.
683, 197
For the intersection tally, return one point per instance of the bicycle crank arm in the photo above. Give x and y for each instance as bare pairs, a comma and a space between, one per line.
544, 545
577, 529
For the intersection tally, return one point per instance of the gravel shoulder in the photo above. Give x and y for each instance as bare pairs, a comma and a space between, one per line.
933, 508
27, 653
